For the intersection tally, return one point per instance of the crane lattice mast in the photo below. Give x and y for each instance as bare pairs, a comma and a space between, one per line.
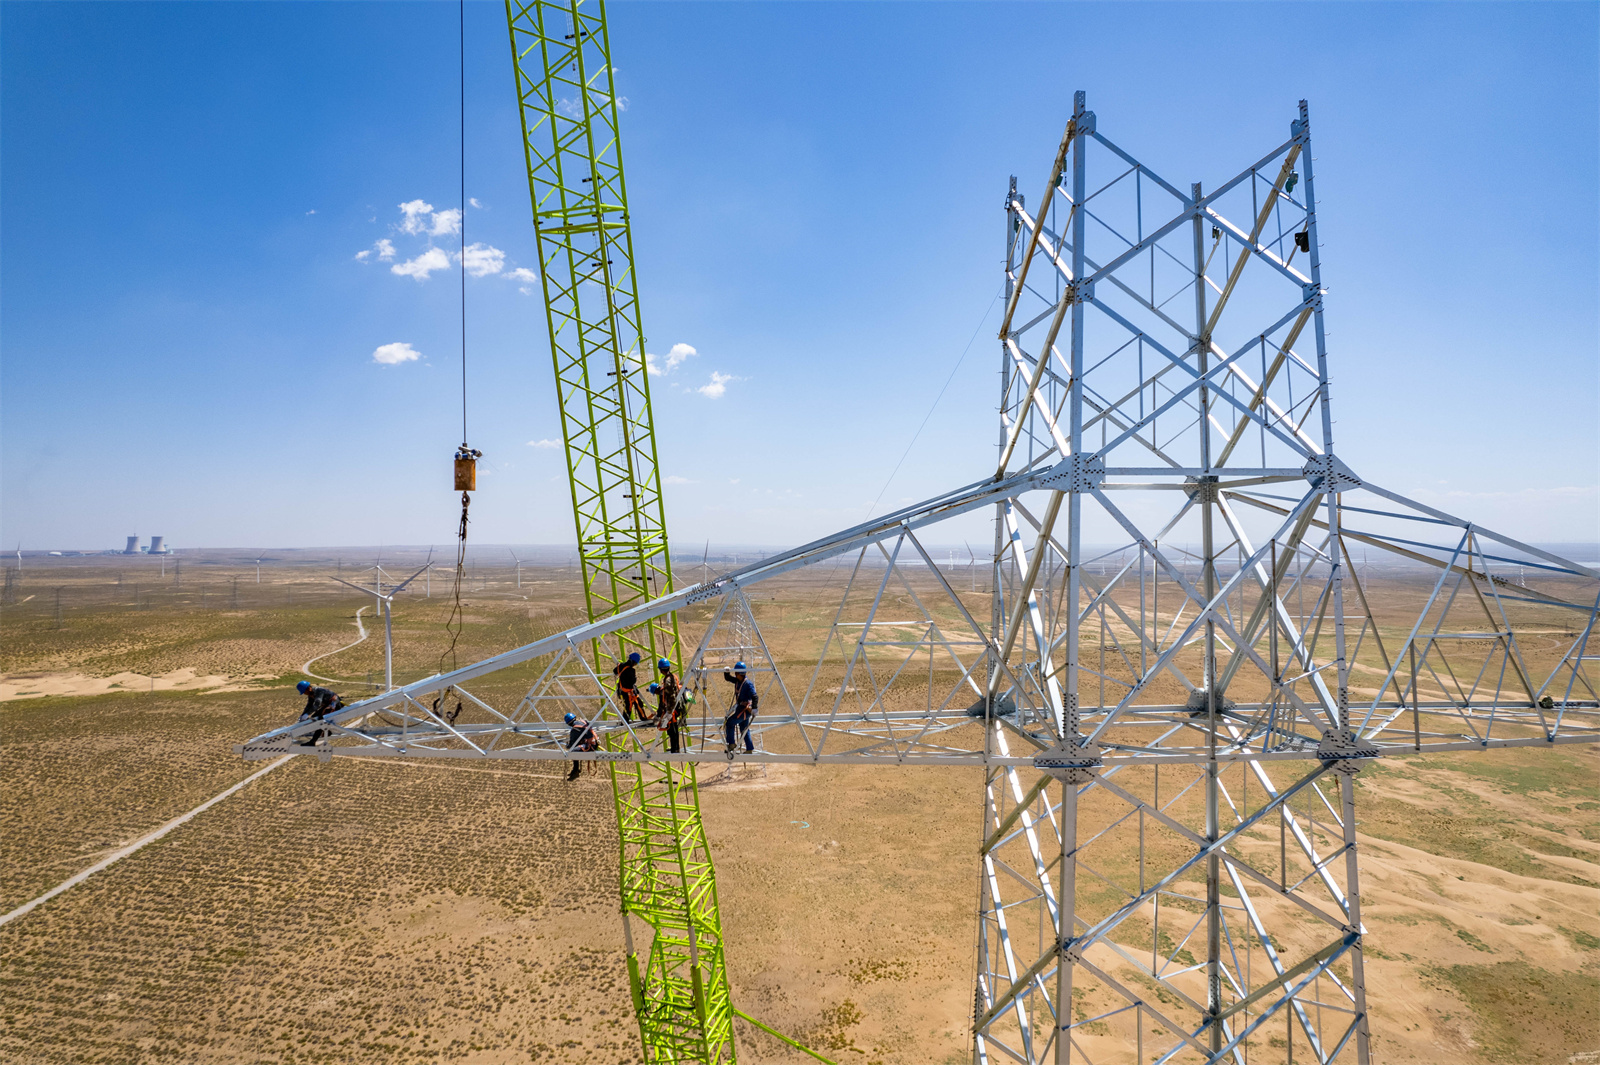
568, 105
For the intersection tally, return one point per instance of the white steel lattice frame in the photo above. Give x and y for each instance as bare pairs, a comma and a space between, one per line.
1151, 877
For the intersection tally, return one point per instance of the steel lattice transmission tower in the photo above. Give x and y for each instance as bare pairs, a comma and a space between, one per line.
1179, 671
562, 56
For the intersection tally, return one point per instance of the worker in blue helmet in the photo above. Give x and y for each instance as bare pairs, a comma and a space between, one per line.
745, 703
626, 672
668, 691
319, 703
580, 737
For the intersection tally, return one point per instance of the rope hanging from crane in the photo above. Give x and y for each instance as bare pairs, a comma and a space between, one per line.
466, 460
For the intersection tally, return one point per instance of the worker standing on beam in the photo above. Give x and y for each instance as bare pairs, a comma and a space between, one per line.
627, 675
669, 703
745, 702
580, 737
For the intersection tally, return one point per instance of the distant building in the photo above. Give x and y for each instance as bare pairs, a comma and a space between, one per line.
156, 547
133, 546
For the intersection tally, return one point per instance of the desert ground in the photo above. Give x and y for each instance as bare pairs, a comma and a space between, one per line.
405, 911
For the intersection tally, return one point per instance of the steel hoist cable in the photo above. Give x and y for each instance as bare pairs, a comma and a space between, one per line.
466, 458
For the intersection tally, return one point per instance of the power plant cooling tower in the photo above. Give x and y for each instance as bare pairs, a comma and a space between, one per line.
133, 546
155, 545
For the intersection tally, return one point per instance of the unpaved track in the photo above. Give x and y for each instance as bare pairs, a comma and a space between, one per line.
306, 669
74, 881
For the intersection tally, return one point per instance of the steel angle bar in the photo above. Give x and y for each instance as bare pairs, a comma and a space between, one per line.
1230, 860
1032, 396
1567, 565
1255, 233
1207, 608
1180, 397
1104, 927
1208, 380
1181, 197
1261, 251
1290, 996
1067, 137
1116, 282
1293, 144
1186, 1037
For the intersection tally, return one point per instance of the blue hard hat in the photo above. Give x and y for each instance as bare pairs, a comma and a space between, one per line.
663, 665
654, 689
634, 657
738, 667
570, 718
303, 687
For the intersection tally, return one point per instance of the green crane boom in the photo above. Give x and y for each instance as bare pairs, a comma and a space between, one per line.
562, 56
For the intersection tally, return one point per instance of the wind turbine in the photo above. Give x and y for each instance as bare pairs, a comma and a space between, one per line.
972, 565
19, 556
388, 621
256, 562
519, 567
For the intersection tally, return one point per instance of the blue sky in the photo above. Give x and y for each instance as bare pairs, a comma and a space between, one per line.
188, 334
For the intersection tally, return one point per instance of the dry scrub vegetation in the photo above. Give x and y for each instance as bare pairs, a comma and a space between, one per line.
413, 912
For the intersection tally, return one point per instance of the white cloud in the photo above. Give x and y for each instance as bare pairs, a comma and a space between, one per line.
423, 265
445, 223
680, 480
474, 201
678, 353
361, 256
675, 358
385, 249
544, 443
416, 216
522, 273
718, 385
525, 290
312, 211
482, 260
395, 354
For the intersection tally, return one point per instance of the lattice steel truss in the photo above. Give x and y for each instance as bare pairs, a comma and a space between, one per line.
1169, 724
561, 53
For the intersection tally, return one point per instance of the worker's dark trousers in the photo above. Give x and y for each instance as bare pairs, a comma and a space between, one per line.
631, 703
672, 738
736, 723
577, 767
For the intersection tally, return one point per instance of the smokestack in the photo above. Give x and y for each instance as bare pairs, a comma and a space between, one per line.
155, 545
133, 546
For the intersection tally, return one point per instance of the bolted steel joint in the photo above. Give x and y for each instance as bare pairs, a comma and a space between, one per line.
1345, 749
1082, 472
710, 591
1329, 474
1072, 761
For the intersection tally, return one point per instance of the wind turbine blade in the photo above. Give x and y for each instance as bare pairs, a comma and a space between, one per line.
357, 587
396, 589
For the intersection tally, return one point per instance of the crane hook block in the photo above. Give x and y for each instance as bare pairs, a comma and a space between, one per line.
467, 468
